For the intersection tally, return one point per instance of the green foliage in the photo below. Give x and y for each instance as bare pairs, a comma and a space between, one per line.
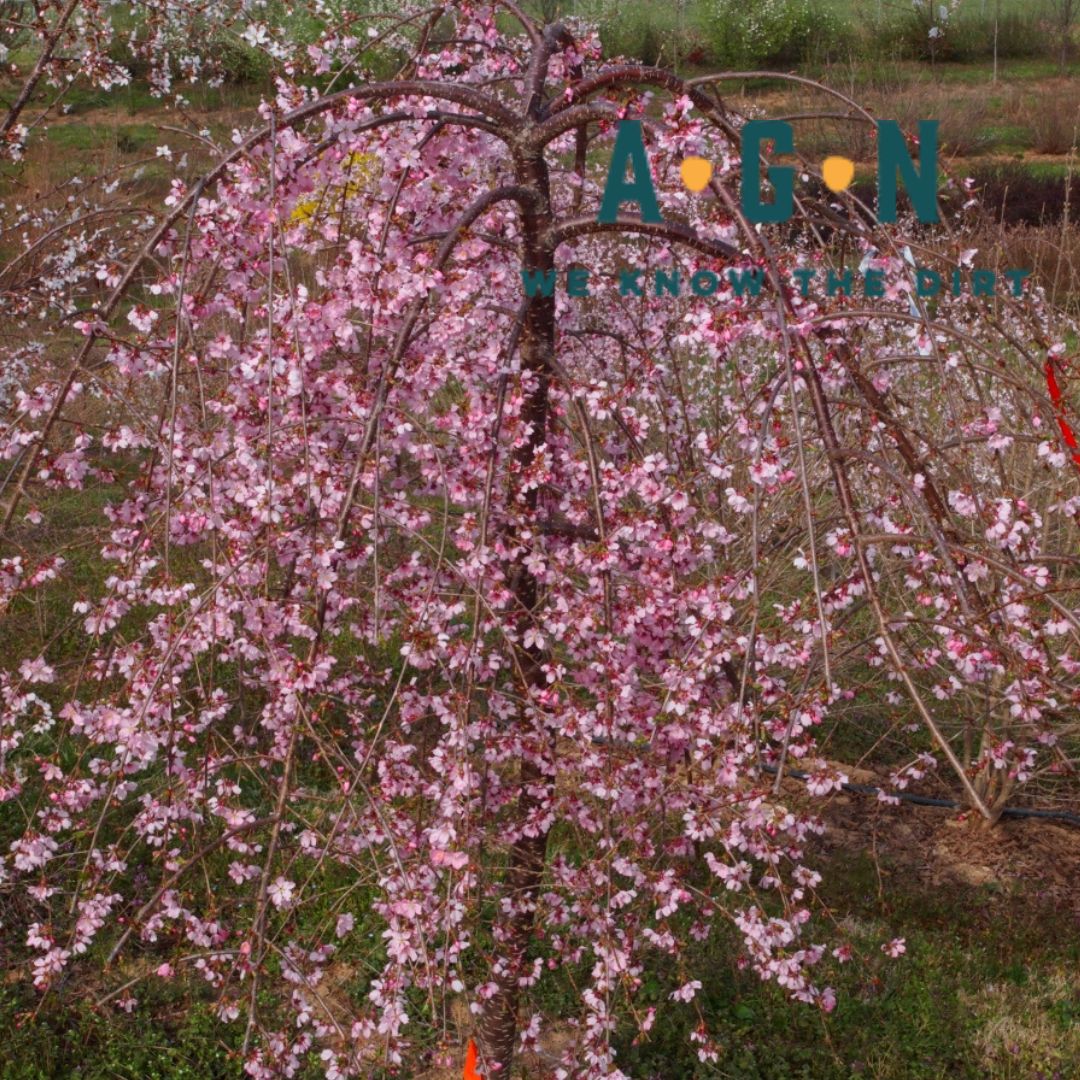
721, 32
967, 36
1020, 35
732, 33
774, 32
240, 62
653, 34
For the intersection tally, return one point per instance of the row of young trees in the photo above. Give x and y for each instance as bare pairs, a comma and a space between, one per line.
489, 611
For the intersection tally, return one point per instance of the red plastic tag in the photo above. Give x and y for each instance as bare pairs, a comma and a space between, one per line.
1055, 396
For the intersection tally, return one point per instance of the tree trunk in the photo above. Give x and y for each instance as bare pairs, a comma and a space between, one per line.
499, 1023
528, 852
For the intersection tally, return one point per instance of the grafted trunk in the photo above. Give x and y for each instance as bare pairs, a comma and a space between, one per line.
515, 920
499, 1024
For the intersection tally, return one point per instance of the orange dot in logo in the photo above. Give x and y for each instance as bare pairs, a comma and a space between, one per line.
696, 172
837, 172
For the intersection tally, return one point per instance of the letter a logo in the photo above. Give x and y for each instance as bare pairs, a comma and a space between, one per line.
629, 150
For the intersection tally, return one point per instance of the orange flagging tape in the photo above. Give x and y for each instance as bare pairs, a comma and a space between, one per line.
470, 1063
1055, 396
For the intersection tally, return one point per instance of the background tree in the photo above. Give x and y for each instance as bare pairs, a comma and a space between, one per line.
1063, 16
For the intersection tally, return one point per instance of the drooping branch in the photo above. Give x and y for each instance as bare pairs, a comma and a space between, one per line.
483, 103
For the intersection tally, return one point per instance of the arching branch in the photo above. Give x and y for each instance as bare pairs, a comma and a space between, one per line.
674, 231
373, 92
518, 193
555, 36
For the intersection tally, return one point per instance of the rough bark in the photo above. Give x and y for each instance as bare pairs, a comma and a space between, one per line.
528, 853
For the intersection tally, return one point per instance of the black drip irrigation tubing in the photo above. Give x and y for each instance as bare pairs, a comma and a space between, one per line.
925, 800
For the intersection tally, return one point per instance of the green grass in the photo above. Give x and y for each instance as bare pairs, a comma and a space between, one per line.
1046, 170
1006, 138
986, 989
865, 71
133, 98
127, 138
69, 1039
76, 136
137, 138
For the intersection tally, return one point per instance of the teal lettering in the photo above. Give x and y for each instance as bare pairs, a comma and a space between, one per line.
804, 277
893, 159
577, 281
663, 282
746, 281
841, 283
538, 281
927, 282
1016, 280
983, 282
704, 283
782, 177
629, 149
